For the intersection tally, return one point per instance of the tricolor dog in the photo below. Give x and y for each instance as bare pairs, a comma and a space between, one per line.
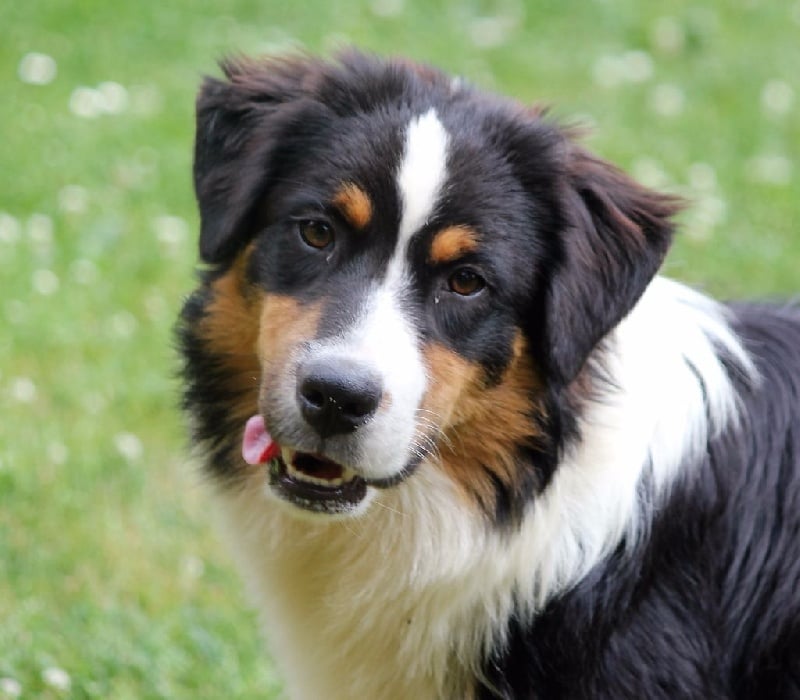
465, 441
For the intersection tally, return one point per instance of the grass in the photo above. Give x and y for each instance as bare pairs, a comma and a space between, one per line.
109, 570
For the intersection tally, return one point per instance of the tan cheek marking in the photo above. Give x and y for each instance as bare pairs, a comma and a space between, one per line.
355, 205
450, 377
229, 330
284, 324
252, 334
451, 243
482, 426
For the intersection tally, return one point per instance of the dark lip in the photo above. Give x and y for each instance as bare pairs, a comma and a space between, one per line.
398, 478
331, 500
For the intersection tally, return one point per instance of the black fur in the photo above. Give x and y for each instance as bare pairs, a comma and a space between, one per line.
574, 241
707, 604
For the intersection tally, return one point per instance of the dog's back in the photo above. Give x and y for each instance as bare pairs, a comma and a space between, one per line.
707, 605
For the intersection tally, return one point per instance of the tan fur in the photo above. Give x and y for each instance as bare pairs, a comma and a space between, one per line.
253, 334
481, 426
451, 243
405, 600
372, 619
229, 330
284, 323
355, 205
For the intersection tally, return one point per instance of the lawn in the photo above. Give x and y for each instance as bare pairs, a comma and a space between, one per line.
112, 583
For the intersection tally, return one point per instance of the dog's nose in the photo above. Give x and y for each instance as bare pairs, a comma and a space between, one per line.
337, 395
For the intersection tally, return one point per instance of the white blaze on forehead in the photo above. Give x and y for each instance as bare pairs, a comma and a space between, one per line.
387, 334
421, 174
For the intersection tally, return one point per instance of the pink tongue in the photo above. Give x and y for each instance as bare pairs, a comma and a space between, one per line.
258, 446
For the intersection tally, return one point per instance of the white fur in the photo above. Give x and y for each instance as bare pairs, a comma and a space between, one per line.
384, 340
421, 175
386, 337
401, 602
381, 336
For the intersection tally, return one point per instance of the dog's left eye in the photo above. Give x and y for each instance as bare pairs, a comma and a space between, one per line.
466, 282
316, 234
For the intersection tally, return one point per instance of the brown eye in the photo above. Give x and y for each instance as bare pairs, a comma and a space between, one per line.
466, 282
316, 234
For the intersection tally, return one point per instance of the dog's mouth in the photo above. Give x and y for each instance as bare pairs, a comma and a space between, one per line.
307, 480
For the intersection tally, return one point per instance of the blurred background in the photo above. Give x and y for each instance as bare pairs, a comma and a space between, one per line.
112, 584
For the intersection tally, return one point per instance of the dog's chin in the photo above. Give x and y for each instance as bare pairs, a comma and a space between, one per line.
312, 484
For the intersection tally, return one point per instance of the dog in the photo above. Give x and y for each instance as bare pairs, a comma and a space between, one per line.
465, 440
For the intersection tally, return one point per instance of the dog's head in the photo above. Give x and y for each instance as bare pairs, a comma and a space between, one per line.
403, 270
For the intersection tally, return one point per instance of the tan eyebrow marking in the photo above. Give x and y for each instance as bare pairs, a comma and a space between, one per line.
354, 204
451, 243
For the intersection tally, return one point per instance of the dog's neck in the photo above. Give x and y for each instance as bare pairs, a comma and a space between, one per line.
422, 582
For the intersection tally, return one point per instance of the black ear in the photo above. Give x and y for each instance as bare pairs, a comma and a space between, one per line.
615, 234
239, 123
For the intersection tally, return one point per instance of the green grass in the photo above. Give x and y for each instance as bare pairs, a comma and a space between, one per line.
108, 566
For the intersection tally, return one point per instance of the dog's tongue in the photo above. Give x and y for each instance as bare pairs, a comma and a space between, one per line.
257, 445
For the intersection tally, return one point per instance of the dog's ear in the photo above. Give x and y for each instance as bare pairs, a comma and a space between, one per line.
614, 236
239, 123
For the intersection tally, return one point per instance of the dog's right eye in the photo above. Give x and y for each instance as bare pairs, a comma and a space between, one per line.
316, 234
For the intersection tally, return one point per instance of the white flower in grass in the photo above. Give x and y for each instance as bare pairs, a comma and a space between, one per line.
387, 8
57, 678
9, 228
23, 389
123, 325
702, 177
649, 172
114, 96
638, 66
667, 100
771, 169
192, 568
37, 68
45, 282
57, 453
10, 687
171, 232
668, 35
155, 306
705, 216
129, 446
630, 67
40, 231
608, 71
490, 32
86, 102
73, 199
777, 97
84, 271
107, 98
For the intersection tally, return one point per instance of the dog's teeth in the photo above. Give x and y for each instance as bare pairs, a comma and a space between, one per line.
288, 459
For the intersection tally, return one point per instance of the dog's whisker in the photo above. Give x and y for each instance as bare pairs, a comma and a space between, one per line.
389, 508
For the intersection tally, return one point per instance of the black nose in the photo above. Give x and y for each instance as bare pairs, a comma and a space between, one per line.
337, 395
